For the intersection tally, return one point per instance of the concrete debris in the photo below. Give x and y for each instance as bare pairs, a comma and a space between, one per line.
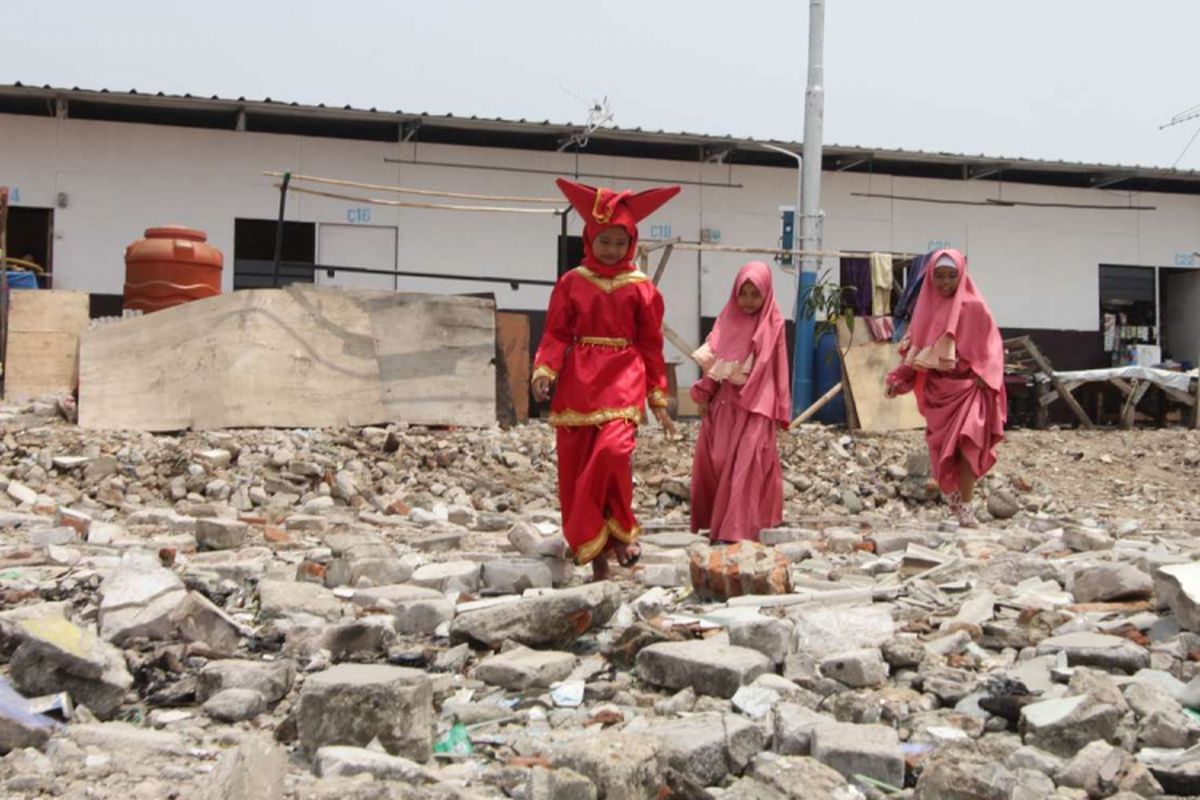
396, 606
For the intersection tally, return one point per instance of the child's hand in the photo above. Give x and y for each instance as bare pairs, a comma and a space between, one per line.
889, 391
664, 419
541, 388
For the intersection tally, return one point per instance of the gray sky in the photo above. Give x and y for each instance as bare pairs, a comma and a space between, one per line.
1081, 80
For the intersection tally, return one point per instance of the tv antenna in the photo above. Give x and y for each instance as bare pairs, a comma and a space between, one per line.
599, 114
1186, 115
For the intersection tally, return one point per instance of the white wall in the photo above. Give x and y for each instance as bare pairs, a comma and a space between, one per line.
1037, 267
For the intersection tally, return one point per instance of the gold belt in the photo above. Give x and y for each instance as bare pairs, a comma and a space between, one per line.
603, 341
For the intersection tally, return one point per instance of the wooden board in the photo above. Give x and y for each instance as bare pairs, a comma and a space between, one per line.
866, 365
297, 357
512, 333
43, 342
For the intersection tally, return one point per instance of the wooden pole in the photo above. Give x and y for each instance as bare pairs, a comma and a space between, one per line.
833, 392
662, 263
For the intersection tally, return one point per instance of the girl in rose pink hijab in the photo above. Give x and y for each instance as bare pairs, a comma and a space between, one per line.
744, 397
954, 363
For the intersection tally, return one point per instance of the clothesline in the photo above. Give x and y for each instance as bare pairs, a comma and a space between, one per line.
404, 204
424, 192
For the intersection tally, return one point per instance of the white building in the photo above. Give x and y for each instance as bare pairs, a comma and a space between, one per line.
90, 170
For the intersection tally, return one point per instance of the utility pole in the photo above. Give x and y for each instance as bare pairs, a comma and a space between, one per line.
811, 216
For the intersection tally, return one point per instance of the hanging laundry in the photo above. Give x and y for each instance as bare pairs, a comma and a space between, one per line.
881, 328
881, 284
856, 274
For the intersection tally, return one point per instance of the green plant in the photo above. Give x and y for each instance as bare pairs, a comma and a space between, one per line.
829, 303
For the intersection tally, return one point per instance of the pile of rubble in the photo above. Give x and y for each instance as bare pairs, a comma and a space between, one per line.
390, 613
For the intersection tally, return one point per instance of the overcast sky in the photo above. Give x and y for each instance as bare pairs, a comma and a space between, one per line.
1080, 80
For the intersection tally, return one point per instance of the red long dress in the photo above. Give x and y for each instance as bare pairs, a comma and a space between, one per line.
603, 345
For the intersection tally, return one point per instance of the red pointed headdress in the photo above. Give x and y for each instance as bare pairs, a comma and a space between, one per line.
604, 208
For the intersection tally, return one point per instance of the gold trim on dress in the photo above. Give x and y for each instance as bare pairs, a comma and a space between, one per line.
610, 529
604, 341
610, 285
657, 398
543, 371
578, 419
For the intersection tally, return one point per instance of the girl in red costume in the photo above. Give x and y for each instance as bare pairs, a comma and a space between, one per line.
602, 351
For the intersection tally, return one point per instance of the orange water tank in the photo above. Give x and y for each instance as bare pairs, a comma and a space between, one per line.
172, 265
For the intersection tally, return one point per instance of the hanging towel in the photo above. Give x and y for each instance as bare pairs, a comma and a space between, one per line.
881, 284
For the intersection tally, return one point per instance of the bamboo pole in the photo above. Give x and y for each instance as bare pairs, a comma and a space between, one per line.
834, 391
436, 206
424, 192
776, 251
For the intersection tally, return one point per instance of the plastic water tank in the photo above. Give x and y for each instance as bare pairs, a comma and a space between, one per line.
172, 265
828, 367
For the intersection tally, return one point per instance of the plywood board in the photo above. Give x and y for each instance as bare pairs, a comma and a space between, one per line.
512, 333
43, 342
866, 366
297, 357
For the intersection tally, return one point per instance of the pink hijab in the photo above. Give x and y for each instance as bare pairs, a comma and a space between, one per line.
749, 350
946, 329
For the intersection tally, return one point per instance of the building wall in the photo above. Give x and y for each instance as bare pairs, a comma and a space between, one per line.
1036, 266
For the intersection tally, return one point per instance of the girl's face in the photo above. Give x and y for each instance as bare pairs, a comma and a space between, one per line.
749, 298
611, 245
945, 280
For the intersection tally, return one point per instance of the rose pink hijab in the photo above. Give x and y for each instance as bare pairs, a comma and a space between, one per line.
749, 350
946, 329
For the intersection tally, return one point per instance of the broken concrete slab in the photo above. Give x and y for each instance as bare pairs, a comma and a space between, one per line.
1177, 587
825, 631
1087, 649
352, 704
554, 619
255, 770
138, 598
871, 750
449, 576
705, 666
197, 619
1063, 726
416, 608
621, 766
1102, 583
272, 679
773, 637
514, 576
221, 534
340, 761
858, 669
707, 747
56, 655
278, 599
523, 668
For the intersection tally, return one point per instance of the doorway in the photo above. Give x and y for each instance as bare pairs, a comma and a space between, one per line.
31, 239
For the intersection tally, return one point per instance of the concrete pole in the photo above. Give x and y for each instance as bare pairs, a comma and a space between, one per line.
811, 216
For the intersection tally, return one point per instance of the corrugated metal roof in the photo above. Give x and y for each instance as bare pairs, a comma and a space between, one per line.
972, 165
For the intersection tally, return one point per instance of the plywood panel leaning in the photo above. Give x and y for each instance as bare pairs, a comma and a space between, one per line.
43, 342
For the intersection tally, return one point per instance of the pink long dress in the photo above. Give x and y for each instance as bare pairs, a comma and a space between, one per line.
737, 481
954, 363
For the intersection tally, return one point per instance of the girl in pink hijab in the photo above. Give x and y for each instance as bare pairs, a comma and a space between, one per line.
744, 397
954, 363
